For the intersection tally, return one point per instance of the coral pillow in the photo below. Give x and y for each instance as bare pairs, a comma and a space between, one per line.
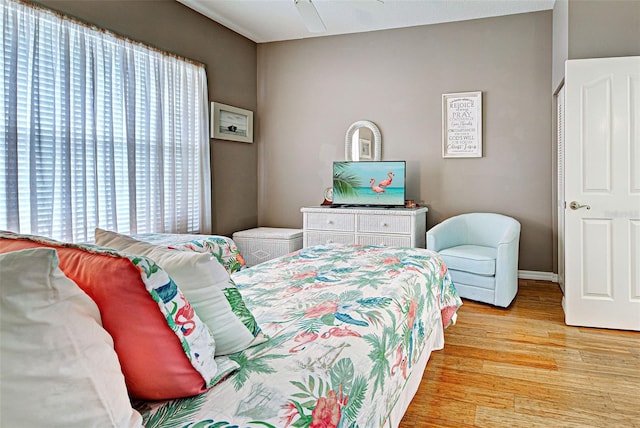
58, 367
164, 349
206, 284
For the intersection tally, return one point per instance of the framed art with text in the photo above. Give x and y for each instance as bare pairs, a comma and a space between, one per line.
462, 125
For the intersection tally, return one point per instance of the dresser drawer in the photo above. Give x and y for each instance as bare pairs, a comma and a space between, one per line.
330, 221
384, 240
400, 224
322, 238
394, 227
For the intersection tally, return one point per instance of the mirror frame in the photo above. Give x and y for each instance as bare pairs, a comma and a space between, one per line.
377, 139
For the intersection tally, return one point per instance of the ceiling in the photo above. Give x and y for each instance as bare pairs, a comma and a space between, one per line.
275, 20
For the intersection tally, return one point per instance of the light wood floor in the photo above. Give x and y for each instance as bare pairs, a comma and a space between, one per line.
523, 367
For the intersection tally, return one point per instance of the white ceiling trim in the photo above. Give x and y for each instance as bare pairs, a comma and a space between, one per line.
275, 20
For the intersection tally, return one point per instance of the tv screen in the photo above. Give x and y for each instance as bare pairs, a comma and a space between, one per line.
380, 183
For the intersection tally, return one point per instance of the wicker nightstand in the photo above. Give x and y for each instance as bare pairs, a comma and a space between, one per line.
265, 243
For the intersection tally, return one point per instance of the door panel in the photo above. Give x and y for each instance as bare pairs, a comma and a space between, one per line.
634, 134
597, 277
596, 135
602, 226
634, 254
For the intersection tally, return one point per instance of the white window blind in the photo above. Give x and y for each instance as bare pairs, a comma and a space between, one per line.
98, 131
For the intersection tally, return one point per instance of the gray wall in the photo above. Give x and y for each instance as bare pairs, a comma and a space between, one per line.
306, 93
593, 29
589, 29
310, 91
560, 42
604, 28
230, 61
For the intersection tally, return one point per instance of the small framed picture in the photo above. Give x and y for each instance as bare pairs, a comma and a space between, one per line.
231, 123
365, 148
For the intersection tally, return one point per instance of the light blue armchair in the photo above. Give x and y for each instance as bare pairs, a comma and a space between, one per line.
481, 252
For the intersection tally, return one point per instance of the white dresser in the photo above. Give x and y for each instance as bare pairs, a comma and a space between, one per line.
398, 227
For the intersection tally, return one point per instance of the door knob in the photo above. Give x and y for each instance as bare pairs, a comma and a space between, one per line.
575, 205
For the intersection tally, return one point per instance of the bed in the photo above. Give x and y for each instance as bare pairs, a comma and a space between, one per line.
350, 330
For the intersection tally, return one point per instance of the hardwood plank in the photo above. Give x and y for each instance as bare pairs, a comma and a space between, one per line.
605, 370
584, 415
490, 382
461, 362
626, 404
487, 417
468, 394
426, 421
523, 367
533, 346
579, 379
517, 358
449, 409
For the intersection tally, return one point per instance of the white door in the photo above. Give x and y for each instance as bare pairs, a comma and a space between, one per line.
602, 193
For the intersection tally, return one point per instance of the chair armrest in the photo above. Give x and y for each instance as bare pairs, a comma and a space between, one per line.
508, 247
510, 234
507, 266
450, 233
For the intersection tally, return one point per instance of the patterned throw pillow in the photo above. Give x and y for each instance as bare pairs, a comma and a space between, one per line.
206, 284
221, 247
145, 312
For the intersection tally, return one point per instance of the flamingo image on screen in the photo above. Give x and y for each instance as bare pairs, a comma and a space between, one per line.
369, 183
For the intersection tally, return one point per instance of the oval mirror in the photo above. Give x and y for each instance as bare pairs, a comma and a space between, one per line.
363, 142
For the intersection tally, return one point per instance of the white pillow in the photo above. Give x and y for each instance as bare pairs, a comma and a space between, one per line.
206, 284
58, 364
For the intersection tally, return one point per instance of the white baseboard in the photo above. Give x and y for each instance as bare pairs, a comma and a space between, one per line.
542, 276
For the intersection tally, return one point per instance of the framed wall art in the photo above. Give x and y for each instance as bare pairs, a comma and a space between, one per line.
365, 148
231, 123
462, 125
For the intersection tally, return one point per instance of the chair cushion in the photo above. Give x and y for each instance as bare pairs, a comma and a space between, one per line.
475, 259
477, 281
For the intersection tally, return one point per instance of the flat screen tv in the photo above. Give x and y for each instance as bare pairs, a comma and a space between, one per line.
375, 184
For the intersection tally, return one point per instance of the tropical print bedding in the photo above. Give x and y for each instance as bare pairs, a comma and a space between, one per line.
223, 248
346, 326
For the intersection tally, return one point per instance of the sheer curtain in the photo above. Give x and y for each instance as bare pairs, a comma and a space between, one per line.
98, 131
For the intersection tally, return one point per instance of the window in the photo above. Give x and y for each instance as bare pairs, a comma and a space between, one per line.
98, 131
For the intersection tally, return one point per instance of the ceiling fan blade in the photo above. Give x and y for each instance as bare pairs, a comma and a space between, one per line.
310, 16
369, 5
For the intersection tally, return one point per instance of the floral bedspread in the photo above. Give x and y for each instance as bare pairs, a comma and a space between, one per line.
223, 248
346, 325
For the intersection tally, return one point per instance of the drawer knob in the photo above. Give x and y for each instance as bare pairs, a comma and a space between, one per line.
329, 222
383, 224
